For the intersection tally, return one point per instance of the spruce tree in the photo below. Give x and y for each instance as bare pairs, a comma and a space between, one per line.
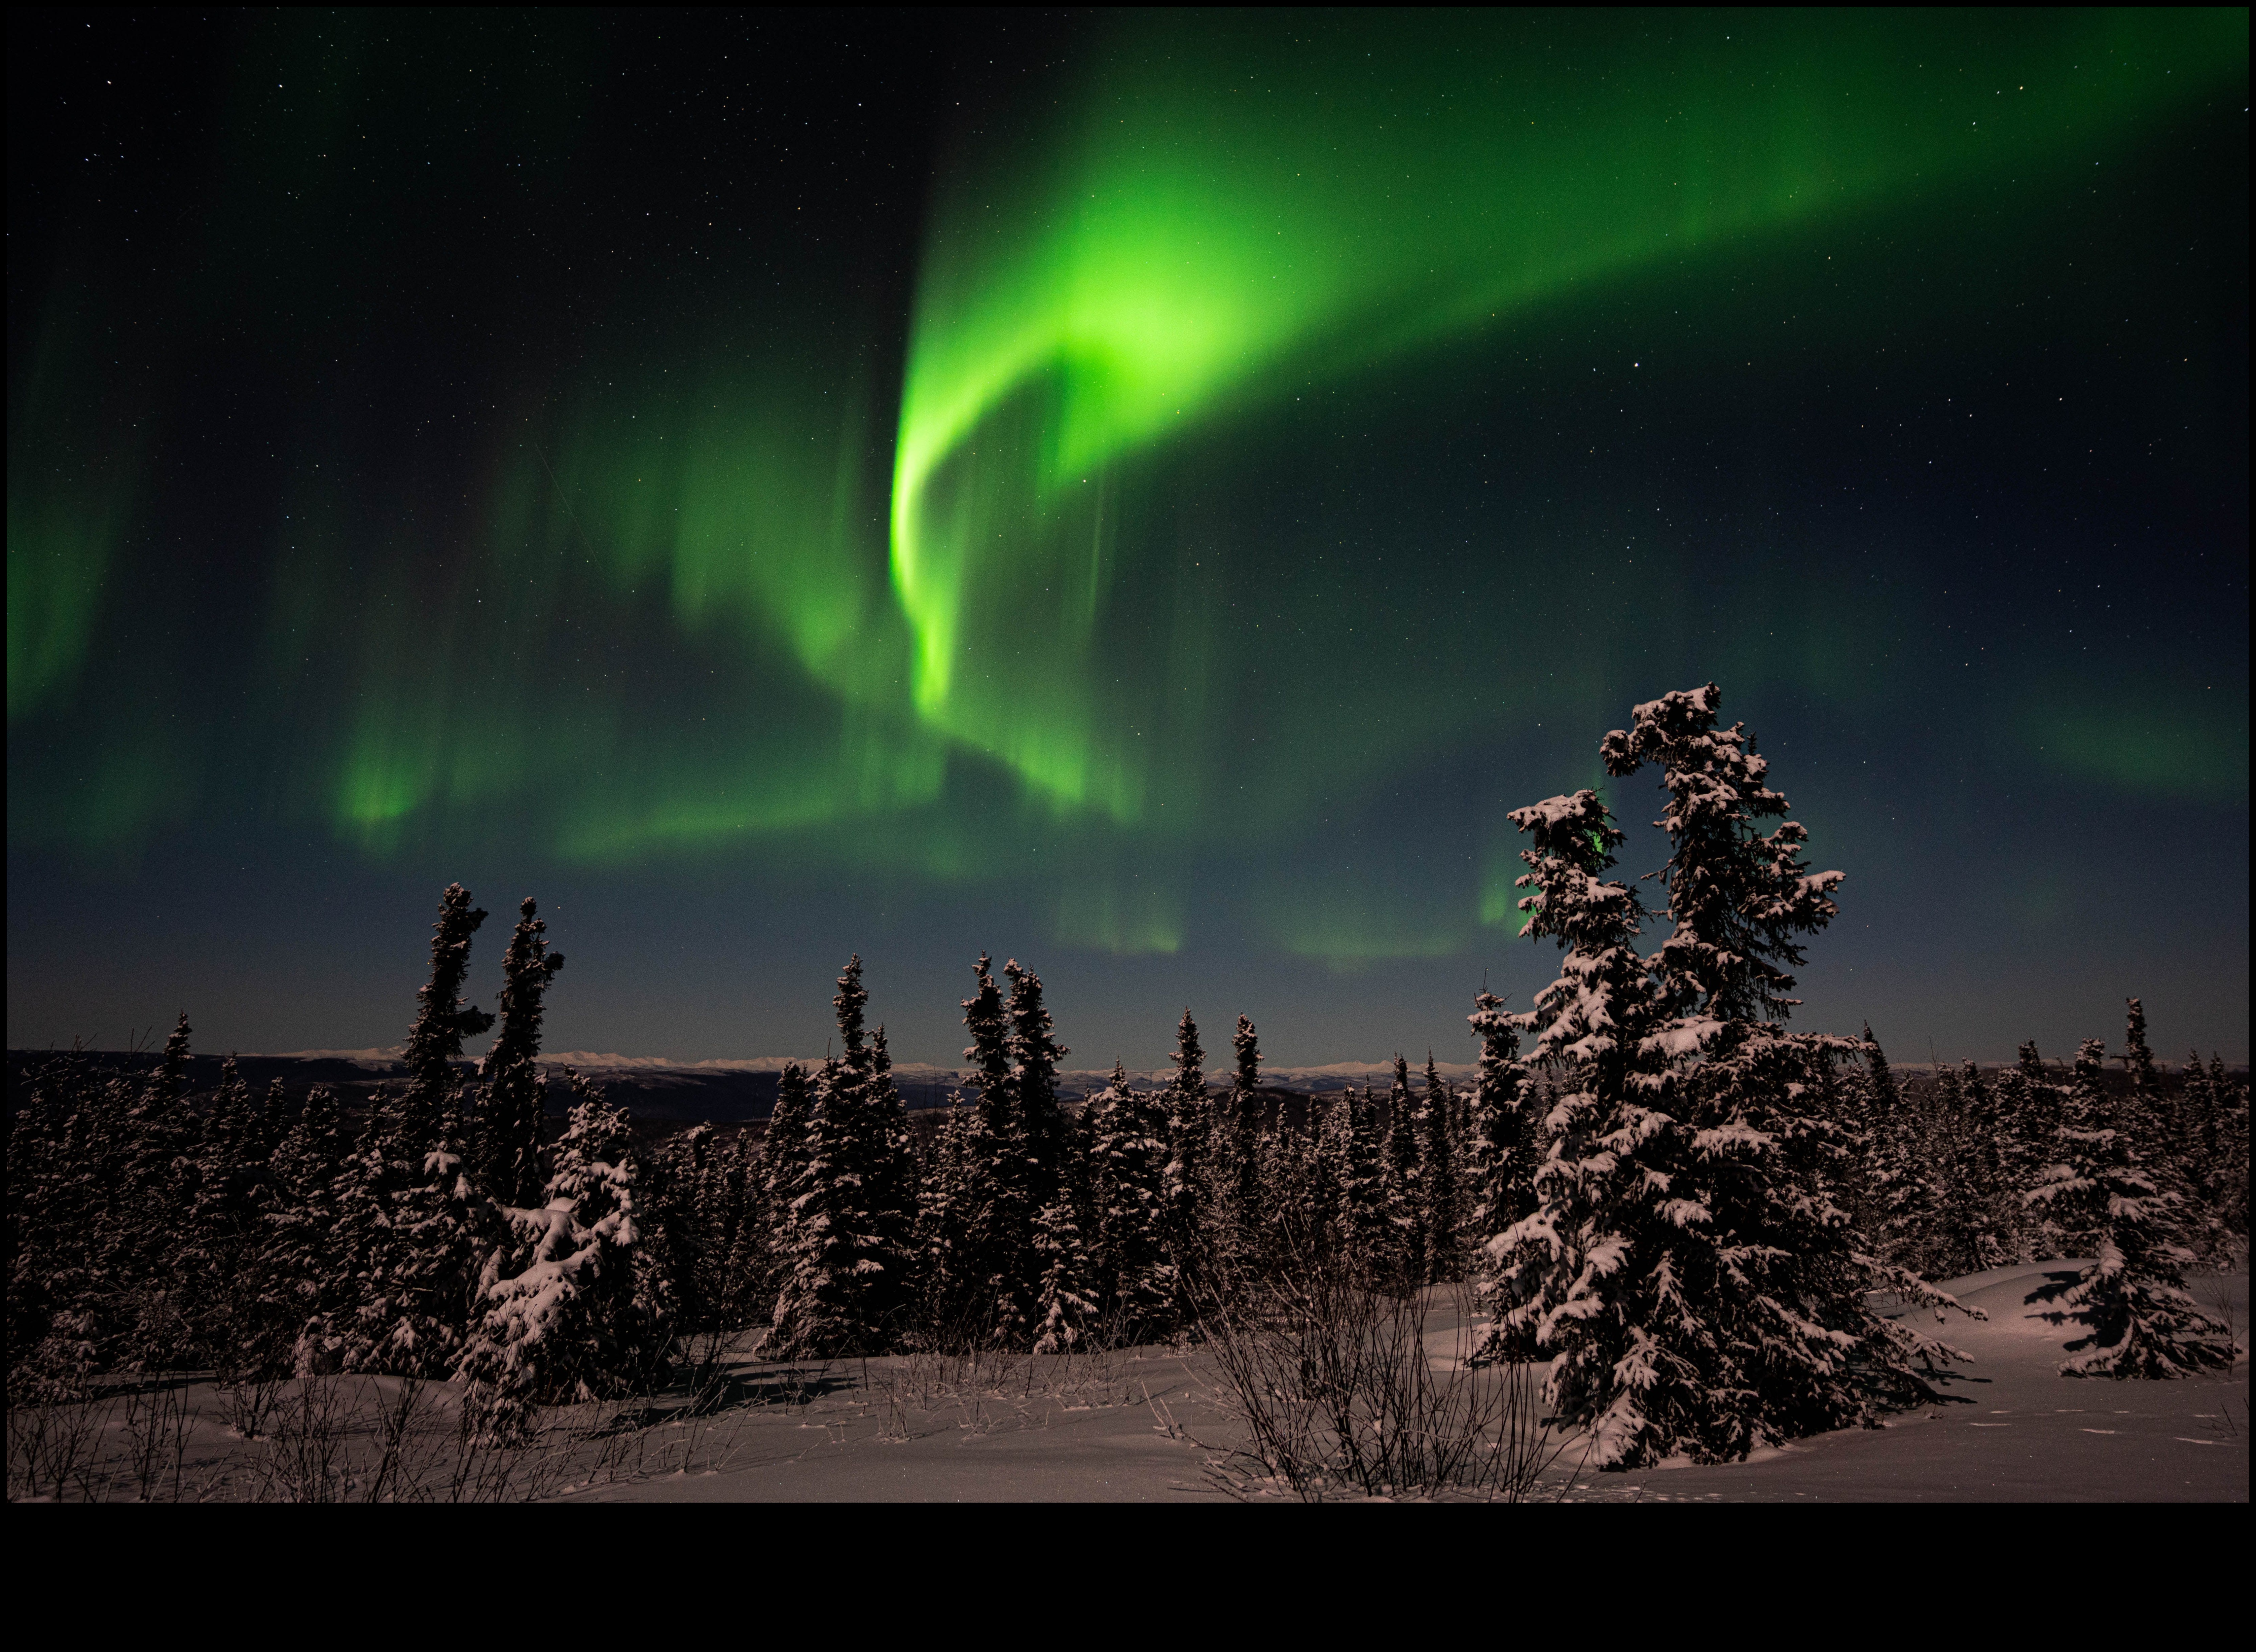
1698, 1289
1437, 1152
1329, 1176
892, 1189
1064, 1301
217, 1261
782, 1167
1402, 1192
2130, 1302
160, 1138
1978, 1233
304, 1272
1135, 1276
1191, 1150
1239, 1153
1358, 1154
1909, 1228
509, 1134
998, 1245
572, 1304
847, 1276
443, 1019
946, 1286
1505, 1125
419, 1231
1782, 1339
1559, 1275
1034, 1054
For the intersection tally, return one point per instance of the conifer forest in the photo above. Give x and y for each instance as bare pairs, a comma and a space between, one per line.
1692, 1233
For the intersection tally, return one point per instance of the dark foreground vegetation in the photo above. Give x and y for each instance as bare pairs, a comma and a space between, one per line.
1708, 1232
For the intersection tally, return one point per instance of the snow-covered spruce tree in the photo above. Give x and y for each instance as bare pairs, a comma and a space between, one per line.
1064, 1300
1560, 1279
1034, 1055
999, 1208
418, 1230
418, 1233
443, 1019
571, 1303
2071, 1226
946, 1290
1402, 1188
2131, 1304
509, 1126
2138, 1060
304, 1274
62, 1165
1501, 1149
158, 1139
1190, 1151
1770, 1258
766, 1240
847, 1274
1135, 1287
215, 1240
1977, 1230
893, 1178
2215, 1179
2020, 1106
1239, 1153
1908, 1228
1444, 1214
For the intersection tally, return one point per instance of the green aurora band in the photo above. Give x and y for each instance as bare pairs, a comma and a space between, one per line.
888, 651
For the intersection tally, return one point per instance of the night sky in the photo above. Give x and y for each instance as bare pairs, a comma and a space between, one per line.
1145, 495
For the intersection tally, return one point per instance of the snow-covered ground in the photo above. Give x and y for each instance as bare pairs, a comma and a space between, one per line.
2009, 1429
1141, 1425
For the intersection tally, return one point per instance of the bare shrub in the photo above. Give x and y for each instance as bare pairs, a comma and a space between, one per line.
157, 1423
53, 1446
1338, 1394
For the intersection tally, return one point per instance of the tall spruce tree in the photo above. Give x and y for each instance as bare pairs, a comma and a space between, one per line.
443, 1019
847, 1276
1504, 1126
769, 1165
509, 1134
1239, 1156
1702, 1290
418, 1229
1443, 1215
947, 1286
1034, 1055
893, 1189
999, 1217
1558, 1274
1191, 1150
1402, 1188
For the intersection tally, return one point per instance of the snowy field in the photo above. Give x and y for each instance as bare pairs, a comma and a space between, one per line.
1138, 1426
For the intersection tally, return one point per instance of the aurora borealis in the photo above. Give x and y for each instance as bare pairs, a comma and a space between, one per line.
1146, 493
